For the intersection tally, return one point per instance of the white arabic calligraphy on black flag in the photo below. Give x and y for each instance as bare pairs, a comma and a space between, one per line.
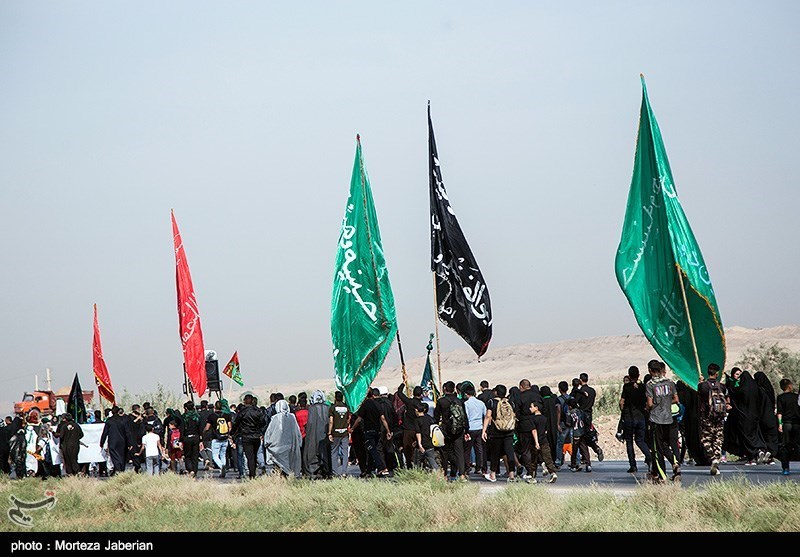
461, 293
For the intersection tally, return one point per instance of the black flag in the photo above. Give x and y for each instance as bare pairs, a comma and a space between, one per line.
461, 292
75, 405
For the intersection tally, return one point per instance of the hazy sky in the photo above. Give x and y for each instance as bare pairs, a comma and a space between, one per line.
242, 116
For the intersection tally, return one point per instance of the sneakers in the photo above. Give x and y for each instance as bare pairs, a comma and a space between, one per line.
632, 470
763, 457
527, 477
489, 477
715, 467
785, 472
750, 463
531, 480
724, 459
676, 472
575, 468
587, 469
554, 477
619, 437
600, 455
511, 480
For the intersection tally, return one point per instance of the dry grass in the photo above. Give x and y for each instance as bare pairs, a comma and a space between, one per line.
413, 502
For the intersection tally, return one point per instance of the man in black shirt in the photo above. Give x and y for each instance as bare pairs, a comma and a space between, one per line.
374, 422
788, 423
487, 394
634, 421
422, 434
5, 443
585, 396
453, 440
247, 427
525, 426
205, 442
217, 428
410, 421
135, 433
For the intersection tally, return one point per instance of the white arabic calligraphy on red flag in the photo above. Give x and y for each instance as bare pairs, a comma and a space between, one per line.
189, 318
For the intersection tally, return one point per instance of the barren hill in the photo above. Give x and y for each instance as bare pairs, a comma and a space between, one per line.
546, 364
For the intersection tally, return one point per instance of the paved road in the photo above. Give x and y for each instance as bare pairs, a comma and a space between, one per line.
612, 475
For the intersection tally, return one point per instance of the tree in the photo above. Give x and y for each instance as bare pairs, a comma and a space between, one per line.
774, 360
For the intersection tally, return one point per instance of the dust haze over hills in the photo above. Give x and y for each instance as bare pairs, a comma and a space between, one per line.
603, 358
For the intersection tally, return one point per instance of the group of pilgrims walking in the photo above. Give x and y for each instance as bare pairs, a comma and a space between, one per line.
523, 433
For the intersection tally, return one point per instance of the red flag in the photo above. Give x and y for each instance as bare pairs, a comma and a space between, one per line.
194, 357
101, 377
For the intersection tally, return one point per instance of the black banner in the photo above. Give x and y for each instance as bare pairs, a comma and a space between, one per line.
75, 404
461, 292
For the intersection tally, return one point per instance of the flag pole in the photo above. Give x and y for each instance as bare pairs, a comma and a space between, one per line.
402, 361
436, 328
689, 318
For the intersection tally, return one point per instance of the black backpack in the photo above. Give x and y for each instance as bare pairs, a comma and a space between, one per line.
455, 422
717, 405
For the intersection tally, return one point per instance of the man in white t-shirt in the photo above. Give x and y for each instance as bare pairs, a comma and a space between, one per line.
153, 449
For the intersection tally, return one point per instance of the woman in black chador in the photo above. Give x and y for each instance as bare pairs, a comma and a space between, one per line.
742, 435
767, 420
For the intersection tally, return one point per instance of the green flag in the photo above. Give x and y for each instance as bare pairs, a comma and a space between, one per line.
660, 268
428, 384
363, 322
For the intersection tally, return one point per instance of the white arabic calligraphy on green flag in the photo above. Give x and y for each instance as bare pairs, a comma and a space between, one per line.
658, 262
363, 321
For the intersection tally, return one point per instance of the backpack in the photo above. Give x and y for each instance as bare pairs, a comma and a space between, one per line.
505, 420
563, 401
717, 405
455, 422
222, 425
437, 437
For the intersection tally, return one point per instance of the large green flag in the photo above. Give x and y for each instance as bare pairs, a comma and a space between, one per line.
363, 322
660, 268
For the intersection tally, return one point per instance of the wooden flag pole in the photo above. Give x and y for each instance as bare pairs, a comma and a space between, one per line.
436, 329
402, 361
689, 318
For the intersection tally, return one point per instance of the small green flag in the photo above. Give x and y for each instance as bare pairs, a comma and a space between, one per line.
428, 384
363, 321
659, 262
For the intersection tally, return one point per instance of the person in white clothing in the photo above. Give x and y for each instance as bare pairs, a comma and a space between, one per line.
153, 450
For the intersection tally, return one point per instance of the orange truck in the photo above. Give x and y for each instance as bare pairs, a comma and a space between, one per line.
45, 401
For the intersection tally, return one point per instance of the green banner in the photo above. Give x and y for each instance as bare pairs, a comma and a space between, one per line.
363, 321
660, 268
